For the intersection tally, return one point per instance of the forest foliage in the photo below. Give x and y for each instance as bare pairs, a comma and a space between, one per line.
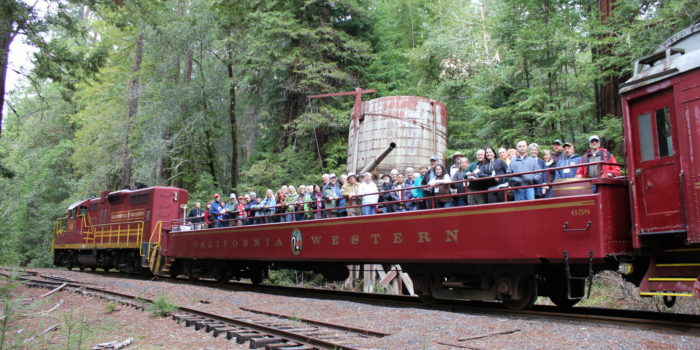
212, 95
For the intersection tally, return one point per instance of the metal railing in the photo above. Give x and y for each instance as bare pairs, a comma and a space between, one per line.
122, 234
431, 201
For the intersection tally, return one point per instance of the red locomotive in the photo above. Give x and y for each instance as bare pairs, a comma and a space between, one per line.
645, 225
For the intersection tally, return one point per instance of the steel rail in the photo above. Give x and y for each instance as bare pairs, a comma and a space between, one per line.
634, 318
265, 331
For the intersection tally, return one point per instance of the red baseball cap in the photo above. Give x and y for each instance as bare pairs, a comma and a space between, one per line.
216, 195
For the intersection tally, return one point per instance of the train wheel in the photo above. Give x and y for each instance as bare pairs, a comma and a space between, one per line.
669, 301
222, 275
93, 268
257, 275
528, 294
81, 268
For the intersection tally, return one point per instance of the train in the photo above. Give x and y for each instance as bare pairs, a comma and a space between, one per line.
644, 224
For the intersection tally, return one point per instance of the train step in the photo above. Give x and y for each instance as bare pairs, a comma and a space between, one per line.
671, 277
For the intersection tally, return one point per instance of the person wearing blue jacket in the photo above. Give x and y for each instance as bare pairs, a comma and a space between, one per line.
568, 158
217, 210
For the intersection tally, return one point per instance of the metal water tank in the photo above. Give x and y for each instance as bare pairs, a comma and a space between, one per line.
417, 125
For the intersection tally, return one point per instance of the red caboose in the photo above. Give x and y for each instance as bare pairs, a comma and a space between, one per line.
662, 128
116, 230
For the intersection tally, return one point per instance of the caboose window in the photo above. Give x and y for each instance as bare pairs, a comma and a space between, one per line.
646, 138
663, 132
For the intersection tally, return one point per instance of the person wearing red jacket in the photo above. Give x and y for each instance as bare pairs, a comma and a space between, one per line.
597, 154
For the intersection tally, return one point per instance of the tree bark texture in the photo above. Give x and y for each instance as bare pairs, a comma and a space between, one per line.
6, 37
232, 121
607, 99
134, 92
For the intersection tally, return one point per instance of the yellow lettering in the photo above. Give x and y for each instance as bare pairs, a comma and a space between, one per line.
335, 240
210, 245
398, 237
217, 243
256, 242
225, 243
279, 243
355, 239
316, 239
267, 242
451, 235
194, 245
245, 243
375, 238
234, 243
423, 237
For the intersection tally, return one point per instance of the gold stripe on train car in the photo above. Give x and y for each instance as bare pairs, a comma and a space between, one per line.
682, 250
666, 294
671, 279
568, 188
310, 223
678, 265
99, 246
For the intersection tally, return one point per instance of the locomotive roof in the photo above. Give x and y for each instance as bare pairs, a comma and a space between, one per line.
678, 54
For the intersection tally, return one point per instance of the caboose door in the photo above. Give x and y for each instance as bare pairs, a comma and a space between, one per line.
656, 164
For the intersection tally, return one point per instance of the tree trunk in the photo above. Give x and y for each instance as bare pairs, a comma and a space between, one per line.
6, 37
232, 120
607, 99
134, 93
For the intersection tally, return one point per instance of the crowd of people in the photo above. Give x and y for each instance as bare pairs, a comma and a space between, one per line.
464, 183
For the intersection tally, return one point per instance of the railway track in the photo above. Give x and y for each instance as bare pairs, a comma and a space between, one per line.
259, 329
685, 323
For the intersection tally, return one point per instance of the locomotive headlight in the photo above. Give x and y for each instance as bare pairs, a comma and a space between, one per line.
625, 268
175, 196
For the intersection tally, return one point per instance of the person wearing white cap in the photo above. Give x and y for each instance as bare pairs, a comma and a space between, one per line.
597, 154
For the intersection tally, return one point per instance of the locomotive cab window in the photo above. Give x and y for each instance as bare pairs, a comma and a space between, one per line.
83, 211
655, 139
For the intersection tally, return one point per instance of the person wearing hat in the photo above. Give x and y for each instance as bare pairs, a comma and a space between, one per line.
558, 149
429, 176
455, 165
331, 194
568, 158
217, 210
350, 191
597, 154
230, 209
387, 185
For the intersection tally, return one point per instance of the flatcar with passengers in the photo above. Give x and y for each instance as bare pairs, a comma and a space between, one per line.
645, 224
